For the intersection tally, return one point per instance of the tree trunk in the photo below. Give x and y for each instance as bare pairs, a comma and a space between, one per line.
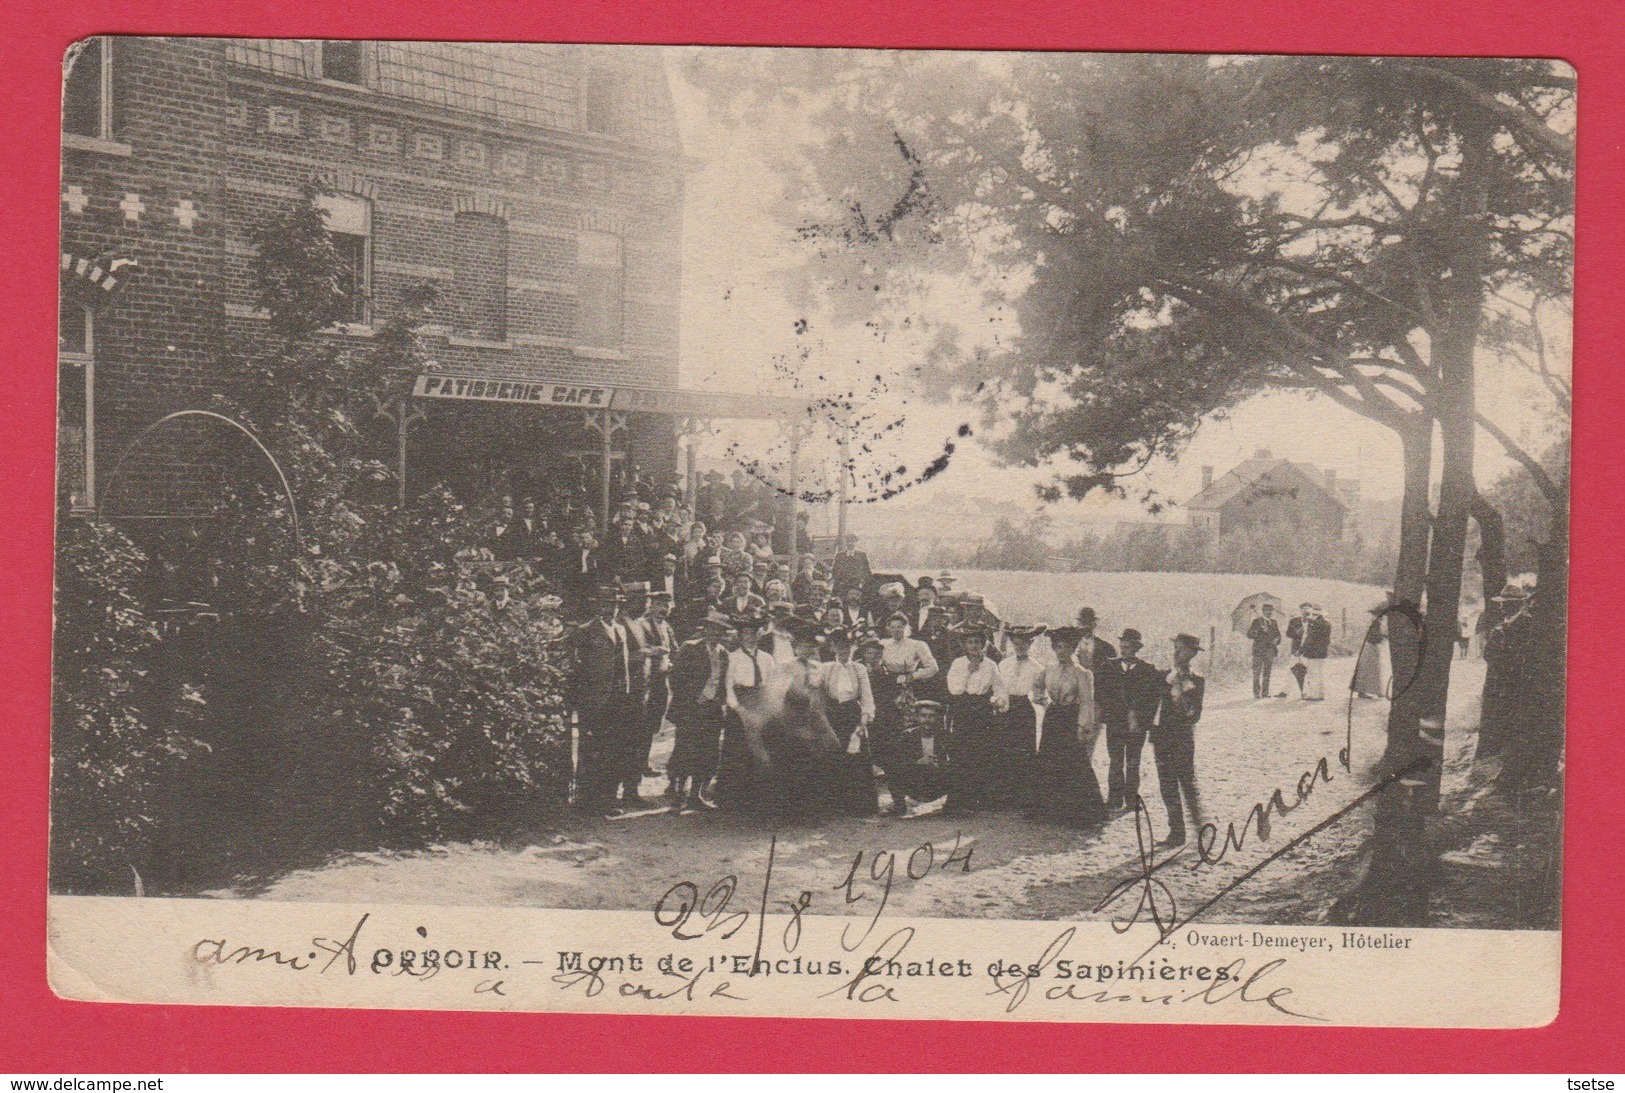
1403, 864
1369, 901
1534, 750
1493, 719
1410, 581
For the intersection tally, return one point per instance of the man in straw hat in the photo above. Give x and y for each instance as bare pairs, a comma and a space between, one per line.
1317, 646
1173, 739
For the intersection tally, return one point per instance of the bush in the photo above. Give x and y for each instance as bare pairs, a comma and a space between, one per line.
118, 729
452, 669
372, 679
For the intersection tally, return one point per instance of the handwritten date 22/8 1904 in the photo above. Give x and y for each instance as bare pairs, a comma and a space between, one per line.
871, 877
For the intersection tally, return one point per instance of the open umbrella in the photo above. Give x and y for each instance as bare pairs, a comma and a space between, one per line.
1250, 608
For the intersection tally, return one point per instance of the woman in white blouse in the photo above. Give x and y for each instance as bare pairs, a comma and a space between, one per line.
903, 662
849, 702
972, 681
1014, 739
1065, 790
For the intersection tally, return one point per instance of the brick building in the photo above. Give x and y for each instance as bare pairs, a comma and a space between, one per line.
538, 188
1267, 492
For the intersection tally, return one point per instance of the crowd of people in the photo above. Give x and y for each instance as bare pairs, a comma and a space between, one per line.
801, 689
800, 683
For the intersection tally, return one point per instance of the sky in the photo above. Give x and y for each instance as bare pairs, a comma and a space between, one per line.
739, 326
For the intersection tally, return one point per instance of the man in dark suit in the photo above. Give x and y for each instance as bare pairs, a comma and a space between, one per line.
1265, 634
849, 568
854, 615
1173, 739
507, 539
697, 678
578, 568
1128, 692
669, 579
605, 704
532, 532
1093, 653
625, 555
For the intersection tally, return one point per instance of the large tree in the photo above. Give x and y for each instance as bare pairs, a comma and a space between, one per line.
1177, 234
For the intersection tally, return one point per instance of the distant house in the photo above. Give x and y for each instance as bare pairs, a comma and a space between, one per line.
1266, 492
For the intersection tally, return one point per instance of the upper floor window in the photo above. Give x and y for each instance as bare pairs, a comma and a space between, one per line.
87, 89
341, 61
598, 101
602, 274
480, 263
349, 224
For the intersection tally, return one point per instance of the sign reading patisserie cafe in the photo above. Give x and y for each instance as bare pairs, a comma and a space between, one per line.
654, 400
489, 390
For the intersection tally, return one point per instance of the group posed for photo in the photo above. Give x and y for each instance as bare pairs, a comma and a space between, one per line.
803, 699
1309, 634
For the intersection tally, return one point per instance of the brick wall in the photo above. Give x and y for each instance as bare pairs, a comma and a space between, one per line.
152, 195
209, 150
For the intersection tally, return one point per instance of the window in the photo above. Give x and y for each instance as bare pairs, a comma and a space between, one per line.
601, 275
76, 403
341, 61
480, 256
598, 101
349, 223
87, 89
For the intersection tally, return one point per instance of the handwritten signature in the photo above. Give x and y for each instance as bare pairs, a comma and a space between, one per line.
1154, 900
218, 951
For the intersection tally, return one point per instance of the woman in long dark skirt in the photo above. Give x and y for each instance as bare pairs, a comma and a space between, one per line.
970, 686
1065, 790
849, 702
1014, 740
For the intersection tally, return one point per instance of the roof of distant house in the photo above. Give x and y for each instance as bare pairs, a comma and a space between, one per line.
1265, 468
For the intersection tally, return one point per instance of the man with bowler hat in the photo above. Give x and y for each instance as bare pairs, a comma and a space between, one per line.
1128, 692
604, 702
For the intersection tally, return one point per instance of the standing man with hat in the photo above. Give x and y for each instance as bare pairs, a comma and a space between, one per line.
697, 680
656, 642
1265, 634
1173, 739
1093, 653
603, 693
1317, 645
1296, 628
1129, 692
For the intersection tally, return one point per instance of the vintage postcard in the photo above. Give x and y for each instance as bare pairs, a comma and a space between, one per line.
829, 533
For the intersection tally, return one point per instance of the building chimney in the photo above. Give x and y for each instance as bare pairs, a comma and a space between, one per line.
1207, 475
1331, 479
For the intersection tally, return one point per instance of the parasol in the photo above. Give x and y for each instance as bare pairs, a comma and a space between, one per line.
1251, 607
